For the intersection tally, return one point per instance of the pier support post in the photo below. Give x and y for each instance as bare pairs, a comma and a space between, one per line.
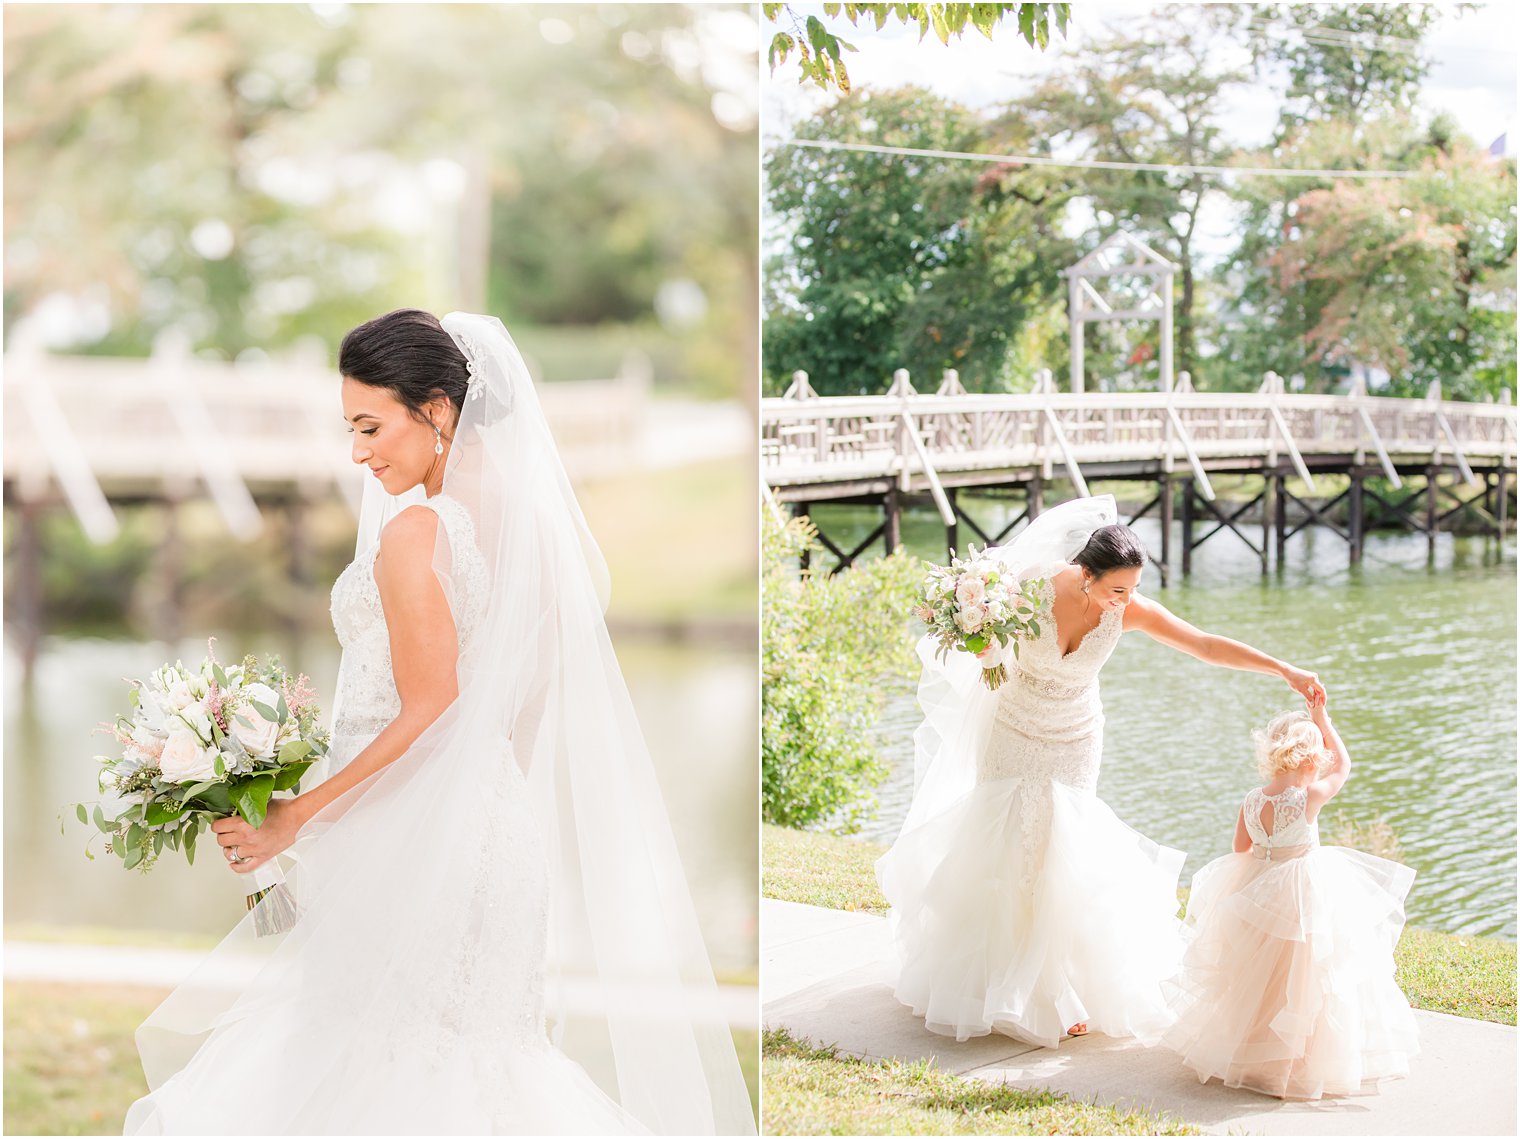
892, 535
798, 510
1501, 506
1187, 527
1167, 506
1280, 505
952, 528
1355, 519
1036, 495
28, 577
1432, 515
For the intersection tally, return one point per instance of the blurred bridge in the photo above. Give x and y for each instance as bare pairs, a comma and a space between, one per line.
98, 432
908, 448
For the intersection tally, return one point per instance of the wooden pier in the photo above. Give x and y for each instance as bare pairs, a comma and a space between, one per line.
1441, 458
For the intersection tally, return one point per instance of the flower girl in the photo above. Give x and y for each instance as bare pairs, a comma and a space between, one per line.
1287, 983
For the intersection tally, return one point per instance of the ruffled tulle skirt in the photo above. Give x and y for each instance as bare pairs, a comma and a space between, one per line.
1287, 985
1028, 907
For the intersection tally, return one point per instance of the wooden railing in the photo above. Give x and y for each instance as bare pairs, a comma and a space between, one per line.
99, 427
806, 439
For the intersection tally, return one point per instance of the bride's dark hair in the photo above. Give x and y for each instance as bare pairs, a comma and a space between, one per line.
409, 354
1110, 548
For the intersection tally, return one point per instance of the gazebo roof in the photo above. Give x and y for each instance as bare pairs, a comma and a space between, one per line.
1120, 252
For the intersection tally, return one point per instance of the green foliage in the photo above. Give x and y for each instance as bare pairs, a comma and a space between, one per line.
820, 51
827, 644
1351, 62
298, 136
1414, 276
904, 261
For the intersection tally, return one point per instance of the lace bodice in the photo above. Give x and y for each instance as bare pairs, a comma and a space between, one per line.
1049, 718
1040, 661
366, 697
1291, 825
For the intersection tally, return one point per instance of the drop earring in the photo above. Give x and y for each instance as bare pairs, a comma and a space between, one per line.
438, 446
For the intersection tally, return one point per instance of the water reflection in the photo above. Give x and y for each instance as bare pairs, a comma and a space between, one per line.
1418, 657
696, 705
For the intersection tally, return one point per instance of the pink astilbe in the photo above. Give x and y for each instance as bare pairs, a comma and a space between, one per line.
122, 737
214, 706
299, 694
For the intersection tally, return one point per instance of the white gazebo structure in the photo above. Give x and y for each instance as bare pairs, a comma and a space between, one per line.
1117, 257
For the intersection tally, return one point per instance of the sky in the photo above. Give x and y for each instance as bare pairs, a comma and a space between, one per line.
1473, 75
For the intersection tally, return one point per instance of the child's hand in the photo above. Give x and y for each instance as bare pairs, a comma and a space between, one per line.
1319, 704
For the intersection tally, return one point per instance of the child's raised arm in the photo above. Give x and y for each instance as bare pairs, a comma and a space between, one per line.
1325, 788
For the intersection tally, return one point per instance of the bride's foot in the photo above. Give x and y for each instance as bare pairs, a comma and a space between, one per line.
1078, 1029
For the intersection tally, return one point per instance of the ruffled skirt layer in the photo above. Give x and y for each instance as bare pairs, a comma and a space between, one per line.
1287, 985
1028, 907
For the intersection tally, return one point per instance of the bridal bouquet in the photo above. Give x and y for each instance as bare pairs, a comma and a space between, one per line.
972, 603
203, 744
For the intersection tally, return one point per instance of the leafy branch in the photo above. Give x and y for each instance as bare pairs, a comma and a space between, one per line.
820, 51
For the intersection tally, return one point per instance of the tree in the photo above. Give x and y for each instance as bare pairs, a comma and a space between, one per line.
1352, 62
1415, 276
899, 261
253, 176
1153, 97
820, 51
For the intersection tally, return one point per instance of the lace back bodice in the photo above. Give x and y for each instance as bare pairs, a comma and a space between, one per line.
1291, 825
366, 698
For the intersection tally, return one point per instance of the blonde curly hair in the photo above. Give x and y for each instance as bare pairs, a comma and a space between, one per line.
1289, 742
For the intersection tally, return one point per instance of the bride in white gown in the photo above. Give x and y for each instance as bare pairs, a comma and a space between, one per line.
1020, 902
494, 932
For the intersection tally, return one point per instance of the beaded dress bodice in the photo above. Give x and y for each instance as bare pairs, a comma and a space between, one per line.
496, 1004
366, 699
1049, 718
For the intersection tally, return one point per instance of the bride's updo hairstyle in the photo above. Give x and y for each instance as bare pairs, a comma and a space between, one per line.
410, 355
1110, 548
1290, 742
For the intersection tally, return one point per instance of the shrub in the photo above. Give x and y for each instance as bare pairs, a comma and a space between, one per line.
829, 645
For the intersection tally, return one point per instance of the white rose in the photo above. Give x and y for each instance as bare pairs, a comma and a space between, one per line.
971, 618
184, 760
259, 735
970, 591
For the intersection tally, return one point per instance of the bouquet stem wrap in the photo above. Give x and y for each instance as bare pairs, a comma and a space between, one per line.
269, 900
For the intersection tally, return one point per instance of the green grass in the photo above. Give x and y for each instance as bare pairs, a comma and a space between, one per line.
71, 1066
816, 1091
1466, 976
820, 870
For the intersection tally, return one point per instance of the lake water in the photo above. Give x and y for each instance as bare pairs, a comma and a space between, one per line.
1418, 657
697, 707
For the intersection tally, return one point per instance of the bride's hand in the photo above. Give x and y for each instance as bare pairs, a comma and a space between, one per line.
1306, 684
256, 846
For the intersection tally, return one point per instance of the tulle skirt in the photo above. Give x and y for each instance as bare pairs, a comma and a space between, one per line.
1028, 907
1287, 983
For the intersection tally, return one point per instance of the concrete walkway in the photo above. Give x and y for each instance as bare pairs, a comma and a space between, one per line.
165, 968
827, 976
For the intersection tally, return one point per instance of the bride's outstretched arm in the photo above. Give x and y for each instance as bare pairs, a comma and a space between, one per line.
424, 655
1156, 621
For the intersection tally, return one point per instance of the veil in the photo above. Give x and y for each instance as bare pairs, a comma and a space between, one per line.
958, 708
391, 895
